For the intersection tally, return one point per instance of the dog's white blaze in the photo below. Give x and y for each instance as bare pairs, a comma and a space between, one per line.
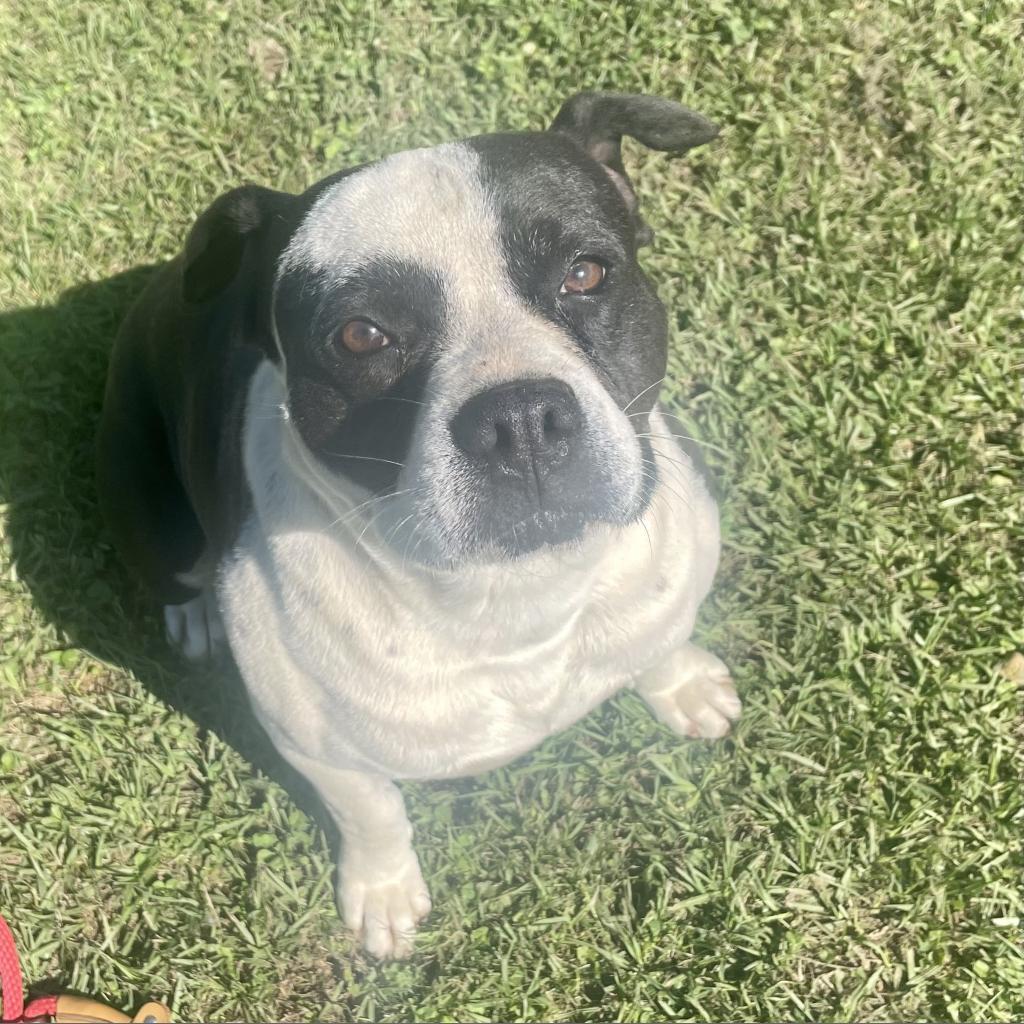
427, 206
430, 207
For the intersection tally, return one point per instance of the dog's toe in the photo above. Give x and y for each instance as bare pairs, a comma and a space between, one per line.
694, 695
712, 701
195, 627
383, 908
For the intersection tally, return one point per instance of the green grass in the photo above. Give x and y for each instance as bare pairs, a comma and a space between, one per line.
843, 268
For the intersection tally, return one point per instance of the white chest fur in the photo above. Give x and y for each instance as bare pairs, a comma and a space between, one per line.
360, 658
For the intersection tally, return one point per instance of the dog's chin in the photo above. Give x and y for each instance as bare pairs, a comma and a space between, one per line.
544, 532
544, 528
455, 527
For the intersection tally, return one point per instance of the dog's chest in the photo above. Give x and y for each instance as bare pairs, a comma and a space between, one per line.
406, 678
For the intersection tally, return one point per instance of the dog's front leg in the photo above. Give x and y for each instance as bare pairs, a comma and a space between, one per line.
692, 692
380, 889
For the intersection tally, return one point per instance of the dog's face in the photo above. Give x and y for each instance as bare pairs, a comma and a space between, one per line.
465, 326
465, 332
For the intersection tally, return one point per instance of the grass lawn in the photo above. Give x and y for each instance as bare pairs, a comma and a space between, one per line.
844, 273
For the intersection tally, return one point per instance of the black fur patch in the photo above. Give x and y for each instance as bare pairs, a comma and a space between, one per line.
555, 205
357, 412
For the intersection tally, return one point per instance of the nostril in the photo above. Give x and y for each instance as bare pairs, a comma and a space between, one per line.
559, 422
502, 438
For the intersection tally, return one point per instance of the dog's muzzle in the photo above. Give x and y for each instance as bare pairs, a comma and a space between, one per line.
525, 446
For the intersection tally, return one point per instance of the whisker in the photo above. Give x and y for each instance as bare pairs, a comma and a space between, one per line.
668, 458
660, 409
377, 497
663, 409
665, 437
650, 543
362, 534
370, 559
366, 458
637, 415
662, 437
408, 543
394, 532
659, 481
635, 398
395, 398
685, 437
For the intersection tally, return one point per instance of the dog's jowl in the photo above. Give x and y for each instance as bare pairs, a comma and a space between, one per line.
397, 441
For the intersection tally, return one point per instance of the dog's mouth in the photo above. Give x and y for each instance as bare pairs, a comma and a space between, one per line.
544, 527
507, 530
555, 527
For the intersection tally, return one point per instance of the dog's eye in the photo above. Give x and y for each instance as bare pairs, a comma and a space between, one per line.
360, 337
584, 276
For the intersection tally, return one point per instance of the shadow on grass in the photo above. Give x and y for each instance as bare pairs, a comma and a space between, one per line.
53, 362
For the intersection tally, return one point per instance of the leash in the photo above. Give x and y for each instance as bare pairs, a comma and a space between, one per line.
59, 1009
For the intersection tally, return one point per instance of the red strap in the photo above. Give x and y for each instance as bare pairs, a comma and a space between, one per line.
10, 976
12, 993
41, 1008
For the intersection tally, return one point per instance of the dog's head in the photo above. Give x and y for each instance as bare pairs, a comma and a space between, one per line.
465, 328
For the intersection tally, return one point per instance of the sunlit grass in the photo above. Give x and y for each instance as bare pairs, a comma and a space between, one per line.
843, 270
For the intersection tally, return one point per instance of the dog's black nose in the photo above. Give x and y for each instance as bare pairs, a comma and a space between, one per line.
523, 430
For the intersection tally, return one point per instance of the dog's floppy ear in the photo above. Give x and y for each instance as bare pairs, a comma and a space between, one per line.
598, 120
217, 241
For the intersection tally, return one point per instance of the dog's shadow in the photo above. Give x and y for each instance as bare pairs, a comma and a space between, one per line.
53, 362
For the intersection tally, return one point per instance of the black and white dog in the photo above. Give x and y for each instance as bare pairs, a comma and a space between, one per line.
397, 439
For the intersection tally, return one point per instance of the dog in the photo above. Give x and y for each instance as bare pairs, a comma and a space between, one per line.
396, 439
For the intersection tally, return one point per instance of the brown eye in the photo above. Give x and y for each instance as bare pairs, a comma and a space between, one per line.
584, 276
360, 336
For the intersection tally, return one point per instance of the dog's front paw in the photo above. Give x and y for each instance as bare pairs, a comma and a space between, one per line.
195, 627
692, 693
383, 906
